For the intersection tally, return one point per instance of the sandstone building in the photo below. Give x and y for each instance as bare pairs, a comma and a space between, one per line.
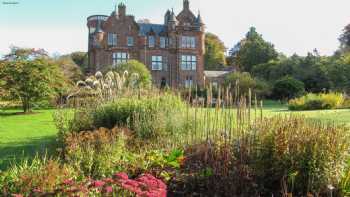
173, 51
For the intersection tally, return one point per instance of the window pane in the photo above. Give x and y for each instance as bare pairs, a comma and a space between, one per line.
151, 41
130, 41
194, 59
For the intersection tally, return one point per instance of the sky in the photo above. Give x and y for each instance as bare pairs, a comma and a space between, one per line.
293, 26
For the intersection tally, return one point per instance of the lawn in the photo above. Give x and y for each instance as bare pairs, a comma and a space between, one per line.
26, 135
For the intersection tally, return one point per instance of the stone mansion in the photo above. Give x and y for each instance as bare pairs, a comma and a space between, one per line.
172, 51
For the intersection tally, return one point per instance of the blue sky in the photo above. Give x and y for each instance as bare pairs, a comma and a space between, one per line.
294, 26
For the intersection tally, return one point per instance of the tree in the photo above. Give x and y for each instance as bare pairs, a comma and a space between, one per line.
253, 50
29, 76
288, 88
136, 67
345, 39
243, 80
81, 59
71, 70
214, 56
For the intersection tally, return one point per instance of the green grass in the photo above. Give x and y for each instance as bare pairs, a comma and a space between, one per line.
341, 116
26, 135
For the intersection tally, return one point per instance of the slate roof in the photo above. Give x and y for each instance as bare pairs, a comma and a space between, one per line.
216, 74
146, 28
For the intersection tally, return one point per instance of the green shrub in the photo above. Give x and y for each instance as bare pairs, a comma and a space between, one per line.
307, 156
149, 118
288, 88
288, 154
97, 153
317, 102
133, 66
41, 174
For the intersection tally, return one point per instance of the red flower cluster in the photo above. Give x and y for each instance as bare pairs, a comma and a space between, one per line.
144, 186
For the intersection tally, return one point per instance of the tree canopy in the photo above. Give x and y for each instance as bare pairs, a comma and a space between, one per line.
30, 76
214, 52
253, 50
287, 88
345, 39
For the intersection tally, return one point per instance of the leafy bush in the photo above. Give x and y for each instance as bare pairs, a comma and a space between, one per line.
287, 88
149, 118
317, 102
97, 153
289, 154
133, 66
39, 175
306, 156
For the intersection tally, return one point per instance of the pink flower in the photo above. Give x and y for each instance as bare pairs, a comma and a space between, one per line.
121, 175
68, 182
108, 180
36, 190
109, 189
17, 195
98, 184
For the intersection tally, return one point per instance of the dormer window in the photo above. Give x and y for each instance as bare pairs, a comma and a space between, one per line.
112, 39
151, 41
163, 42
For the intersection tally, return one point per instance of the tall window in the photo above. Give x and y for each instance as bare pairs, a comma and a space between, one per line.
188, 42
151, 41
112, 39
130, 41
163, 42
188, 62
189, 82
120, 57
157, 62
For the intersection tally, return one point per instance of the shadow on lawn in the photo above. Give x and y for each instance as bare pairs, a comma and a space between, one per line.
16, 152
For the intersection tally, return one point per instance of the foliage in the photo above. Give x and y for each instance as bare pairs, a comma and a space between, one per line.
288, 155
81, 60
317, 102
30, 80
149, 118
345, 39
39, 175
69, 68
133, 66
96, 153
287, 88
253, 50
307, 156
246, 82
48, 178
214, 56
